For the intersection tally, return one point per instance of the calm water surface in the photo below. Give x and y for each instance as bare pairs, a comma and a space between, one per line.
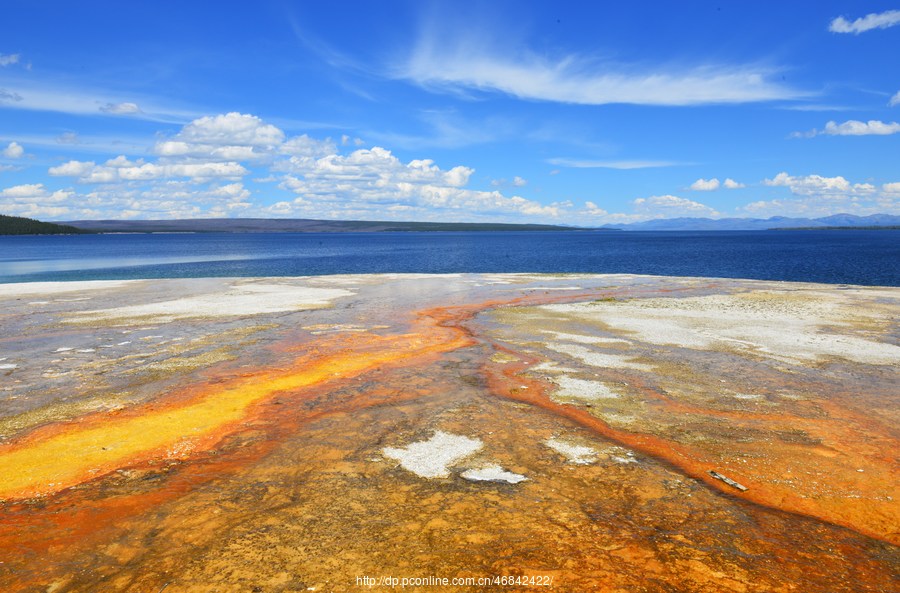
851, 257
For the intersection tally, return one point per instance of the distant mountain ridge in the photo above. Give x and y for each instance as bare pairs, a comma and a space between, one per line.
295, 225
307, 225
759, 224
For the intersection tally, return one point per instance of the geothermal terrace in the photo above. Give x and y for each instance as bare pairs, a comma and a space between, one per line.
603, 432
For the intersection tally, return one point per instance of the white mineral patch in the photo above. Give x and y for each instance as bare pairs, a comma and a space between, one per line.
237, 300
8, 366
64, 349
577, 454
432, 458
43, 288
551, 367
86, 350
583, 339
584, 389
788, 327
598, 359
492, 473
621, 455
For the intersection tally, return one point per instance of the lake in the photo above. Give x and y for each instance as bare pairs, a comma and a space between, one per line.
828, 256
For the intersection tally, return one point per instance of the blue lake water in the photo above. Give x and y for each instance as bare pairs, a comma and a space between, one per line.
837, 257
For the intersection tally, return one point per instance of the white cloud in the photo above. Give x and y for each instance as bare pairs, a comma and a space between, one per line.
231, 129
35, 95
374, 181
816, 196
705, 184
457, 62
895, 100
304, 146
853, 128
669, 206
121, 108
519, 182
732, 184
817, 185
8, 59
239, 137
588, 164
858, 128
188, 179
13, 151
875, 20
592, 209
34, 200
120, 169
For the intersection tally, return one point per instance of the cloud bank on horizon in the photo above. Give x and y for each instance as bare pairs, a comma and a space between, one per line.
519, 112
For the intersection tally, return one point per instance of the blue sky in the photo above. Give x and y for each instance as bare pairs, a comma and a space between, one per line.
573, 113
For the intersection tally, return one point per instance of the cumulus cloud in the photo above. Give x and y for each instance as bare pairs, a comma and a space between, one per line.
374, 181
810, 185
592, 209
817, 195
705, 184
714, 184
519, 182
232, 136
853, 128
859, 128
9, 59
455, 61
35, 200
121, 108
199, 171
120, 169
875, 20
13, 151
668, 206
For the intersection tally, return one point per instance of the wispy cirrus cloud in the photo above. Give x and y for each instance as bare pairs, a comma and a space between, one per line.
35, 96
875, 20
895, 100
454, 61
611, 164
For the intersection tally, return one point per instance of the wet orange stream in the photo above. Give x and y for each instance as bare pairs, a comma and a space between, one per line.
867, 440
